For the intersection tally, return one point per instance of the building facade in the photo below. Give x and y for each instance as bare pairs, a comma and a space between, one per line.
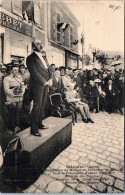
60, 41
23, 21
18, 31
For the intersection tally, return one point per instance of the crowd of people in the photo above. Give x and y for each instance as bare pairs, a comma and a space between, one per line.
26, 91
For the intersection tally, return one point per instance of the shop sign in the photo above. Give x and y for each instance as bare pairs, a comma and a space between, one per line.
14, 24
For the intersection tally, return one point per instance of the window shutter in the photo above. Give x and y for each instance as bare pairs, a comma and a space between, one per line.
62, 33
53, 25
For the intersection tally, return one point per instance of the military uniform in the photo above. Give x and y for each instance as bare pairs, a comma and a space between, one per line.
14, 90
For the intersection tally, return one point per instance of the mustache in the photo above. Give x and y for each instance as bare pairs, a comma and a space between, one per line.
43, 52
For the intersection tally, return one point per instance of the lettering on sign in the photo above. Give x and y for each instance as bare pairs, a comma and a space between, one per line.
14, 24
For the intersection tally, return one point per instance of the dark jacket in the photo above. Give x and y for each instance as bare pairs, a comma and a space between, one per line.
39, 74
94, 92
114, 90
58, 85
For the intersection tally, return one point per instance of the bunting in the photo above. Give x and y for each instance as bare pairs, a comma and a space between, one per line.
62, 26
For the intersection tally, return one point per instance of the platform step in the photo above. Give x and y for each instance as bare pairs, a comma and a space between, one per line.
39, 152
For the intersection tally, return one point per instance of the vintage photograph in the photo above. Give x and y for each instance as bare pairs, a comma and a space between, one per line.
62, 96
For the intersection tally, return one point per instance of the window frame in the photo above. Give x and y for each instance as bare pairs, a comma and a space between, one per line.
59, 31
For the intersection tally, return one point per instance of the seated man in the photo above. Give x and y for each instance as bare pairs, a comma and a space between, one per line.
73, 97
56, 83
14, 89
66, 80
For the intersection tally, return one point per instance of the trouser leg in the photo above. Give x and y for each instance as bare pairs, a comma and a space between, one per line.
37, 103
86, 110
43, 106
12, 110
81, 111
18, 112
97, 104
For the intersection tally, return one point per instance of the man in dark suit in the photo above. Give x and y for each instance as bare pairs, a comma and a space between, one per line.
56, 83
112, 98
40, 79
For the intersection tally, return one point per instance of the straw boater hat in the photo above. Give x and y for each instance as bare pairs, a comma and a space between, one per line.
97, 81
115, 63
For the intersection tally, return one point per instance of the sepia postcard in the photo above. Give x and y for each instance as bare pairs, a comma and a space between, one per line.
62, 96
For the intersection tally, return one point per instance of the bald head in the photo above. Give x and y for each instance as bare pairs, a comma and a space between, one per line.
37, 45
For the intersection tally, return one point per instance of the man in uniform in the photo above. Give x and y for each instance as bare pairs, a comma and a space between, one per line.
14, 89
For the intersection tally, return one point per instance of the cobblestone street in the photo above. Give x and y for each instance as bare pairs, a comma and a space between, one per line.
97, 150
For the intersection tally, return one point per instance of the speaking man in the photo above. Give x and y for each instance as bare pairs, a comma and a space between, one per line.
40, 80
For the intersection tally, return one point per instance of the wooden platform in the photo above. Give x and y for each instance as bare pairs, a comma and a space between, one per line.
39, 152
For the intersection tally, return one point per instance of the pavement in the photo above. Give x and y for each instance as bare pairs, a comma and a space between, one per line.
93, 163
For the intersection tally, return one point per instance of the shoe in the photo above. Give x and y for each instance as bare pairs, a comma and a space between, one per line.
36, 133
90, 120
41, 126
97, 111
85, 121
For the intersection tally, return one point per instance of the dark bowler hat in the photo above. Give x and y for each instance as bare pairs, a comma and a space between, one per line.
57, 69
75, 69
15, 65
62, 68
8, 67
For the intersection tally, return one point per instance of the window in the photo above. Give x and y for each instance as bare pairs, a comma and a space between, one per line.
59, 31
71, 36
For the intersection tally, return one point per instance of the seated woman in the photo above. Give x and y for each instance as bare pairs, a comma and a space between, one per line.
73, 97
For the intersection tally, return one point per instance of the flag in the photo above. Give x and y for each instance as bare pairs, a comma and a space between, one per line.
82, 40
75, 42
114, 7
28, 10
62, 26
25, 17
